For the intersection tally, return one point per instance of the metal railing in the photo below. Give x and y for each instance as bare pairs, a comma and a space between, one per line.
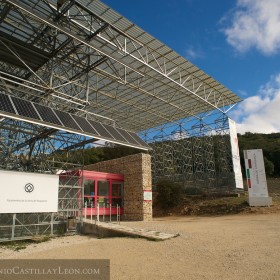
101, 213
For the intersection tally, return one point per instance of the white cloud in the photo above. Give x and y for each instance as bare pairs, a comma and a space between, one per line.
242, 93
254, 24
192, 53
260, 113
178, 135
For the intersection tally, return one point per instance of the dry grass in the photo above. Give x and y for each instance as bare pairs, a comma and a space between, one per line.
213, 206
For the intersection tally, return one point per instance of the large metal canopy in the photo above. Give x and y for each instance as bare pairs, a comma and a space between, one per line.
82, 57
66, 66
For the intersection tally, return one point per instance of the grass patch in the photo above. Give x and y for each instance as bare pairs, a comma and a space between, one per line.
40, 239
22, 244
231, 201
14, 245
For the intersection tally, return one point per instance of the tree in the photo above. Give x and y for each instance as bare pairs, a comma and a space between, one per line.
269, 143
170, 193
269, 166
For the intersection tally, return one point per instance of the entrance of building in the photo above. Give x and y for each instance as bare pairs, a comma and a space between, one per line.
104, 190
101, 192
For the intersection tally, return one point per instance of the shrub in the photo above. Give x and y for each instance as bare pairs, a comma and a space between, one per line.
170, 193
193, 191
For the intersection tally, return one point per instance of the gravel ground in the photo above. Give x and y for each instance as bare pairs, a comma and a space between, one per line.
227, 247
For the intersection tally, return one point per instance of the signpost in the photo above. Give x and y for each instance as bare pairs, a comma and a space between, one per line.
256, 178
148, 195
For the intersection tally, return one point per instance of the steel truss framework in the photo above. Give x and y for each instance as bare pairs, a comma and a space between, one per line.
26, 147
86, 58
82, 57
195, 153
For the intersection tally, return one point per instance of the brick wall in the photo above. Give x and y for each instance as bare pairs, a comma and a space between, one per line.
137, 178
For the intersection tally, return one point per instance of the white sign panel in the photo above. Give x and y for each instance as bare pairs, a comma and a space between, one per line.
235, 155
255, 173
28, 192
148, 195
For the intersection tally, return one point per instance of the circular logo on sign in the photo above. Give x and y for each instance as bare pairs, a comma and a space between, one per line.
29, 188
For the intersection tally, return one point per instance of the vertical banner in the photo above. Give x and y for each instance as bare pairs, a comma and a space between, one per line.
255, 173
235, 154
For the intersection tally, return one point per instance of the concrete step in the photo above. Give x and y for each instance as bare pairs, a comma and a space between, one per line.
127, 231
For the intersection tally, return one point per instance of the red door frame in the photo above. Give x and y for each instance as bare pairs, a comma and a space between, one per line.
101, 176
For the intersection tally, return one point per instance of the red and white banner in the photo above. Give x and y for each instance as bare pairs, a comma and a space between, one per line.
235, 154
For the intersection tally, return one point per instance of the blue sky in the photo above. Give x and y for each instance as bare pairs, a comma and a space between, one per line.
235, 41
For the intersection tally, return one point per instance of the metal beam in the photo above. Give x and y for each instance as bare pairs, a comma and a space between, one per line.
77, 145
46, 133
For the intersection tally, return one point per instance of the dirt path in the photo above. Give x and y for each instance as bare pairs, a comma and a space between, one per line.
228, 247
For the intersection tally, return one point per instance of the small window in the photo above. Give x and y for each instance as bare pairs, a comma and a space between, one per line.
89, 187
103, 188
117, 189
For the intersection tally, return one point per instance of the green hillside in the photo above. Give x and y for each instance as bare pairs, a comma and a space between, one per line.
269, 143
